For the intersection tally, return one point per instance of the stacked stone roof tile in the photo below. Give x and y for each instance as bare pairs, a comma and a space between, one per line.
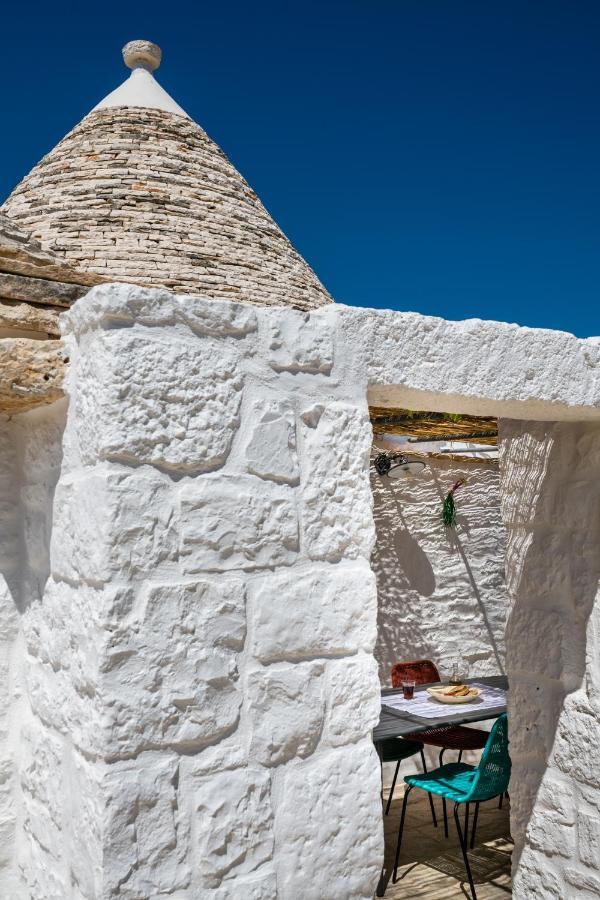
142, 194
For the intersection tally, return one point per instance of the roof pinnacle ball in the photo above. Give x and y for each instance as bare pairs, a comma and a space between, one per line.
142, 54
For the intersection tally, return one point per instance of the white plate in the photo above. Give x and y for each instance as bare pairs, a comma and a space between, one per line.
439, 693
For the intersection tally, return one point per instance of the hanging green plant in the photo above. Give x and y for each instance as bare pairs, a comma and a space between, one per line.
449, 508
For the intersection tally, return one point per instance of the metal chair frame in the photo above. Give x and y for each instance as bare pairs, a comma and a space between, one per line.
494, 748
425, 671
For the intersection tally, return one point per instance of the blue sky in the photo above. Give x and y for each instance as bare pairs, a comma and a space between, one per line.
427, 155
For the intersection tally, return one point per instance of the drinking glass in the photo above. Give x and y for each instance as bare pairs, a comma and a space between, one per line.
455, 677
408, 689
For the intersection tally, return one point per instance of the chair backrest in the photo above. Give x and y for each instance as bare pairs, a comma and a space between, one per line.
422, 671
493, 772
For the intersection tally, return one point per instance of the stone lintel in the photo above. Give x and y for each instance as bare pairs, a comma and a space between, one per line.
39, 290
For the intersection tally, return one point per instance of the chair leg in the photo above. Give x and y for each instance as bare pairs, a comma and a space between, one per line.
466, 823
400, 830
391, 794
459, 755
431, 806
463, 847
474, 829
442, 751
500, 801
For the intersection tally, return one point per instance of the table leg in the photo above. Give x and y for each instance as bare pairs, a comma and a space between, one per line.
380, 892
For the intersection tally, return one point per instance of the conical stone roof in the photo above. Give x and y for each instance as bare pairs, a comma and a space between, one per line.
138, 192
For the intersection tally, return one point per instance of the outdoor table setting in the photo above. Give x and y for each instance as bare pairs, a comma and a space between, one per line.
413, 708
401, 716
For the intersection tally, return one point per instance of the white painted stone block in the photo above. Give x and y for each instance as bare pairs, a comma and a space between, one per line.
170, 670
582, 885
118, 304
353, 700
261, 887
9, 618
588, 839
548, 835
84, 794
576, 744
109, 305
113, 523
271, 446
218, 318
537, 877
336, 502
42, 786
7, 807
65, 636
321, 611
162, 400
236, 522
300, 342
146, 850
331, 814
231, 828
286, 706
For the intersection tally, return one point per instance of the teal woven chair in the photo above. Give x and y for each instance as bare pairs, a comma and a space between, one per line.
462, 783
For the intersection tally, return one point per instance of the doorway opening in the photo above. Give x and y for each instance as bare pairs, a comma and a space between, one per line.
439, 561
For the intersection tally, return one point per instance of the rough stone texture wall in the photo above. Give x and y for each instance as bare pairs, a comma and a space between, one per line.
194, 666
31, 452
199, 685
9, 631
32, 373
551, 507
145, 196
441, 592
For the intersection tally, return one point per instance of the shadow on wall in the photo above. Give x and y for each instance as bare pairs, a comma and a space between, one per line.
441, 592
37, 441
30, 448
550, 477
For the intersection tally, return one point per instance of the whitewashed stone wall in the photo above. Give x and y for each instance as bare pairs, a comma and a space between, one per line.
9, 631
441, 592
197, 683
208, 625
30, 445
551, 506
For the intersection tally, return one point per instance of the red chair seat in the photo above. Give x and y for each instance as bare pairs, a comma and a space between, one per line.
452, 737
449, 737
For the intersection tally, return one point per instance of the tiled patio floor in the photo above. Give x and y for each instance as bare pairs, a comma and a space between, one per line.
432, 868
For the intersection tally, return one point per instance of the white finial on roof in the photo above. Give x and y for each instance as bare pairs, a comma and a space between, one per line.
141, 88
142, 54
